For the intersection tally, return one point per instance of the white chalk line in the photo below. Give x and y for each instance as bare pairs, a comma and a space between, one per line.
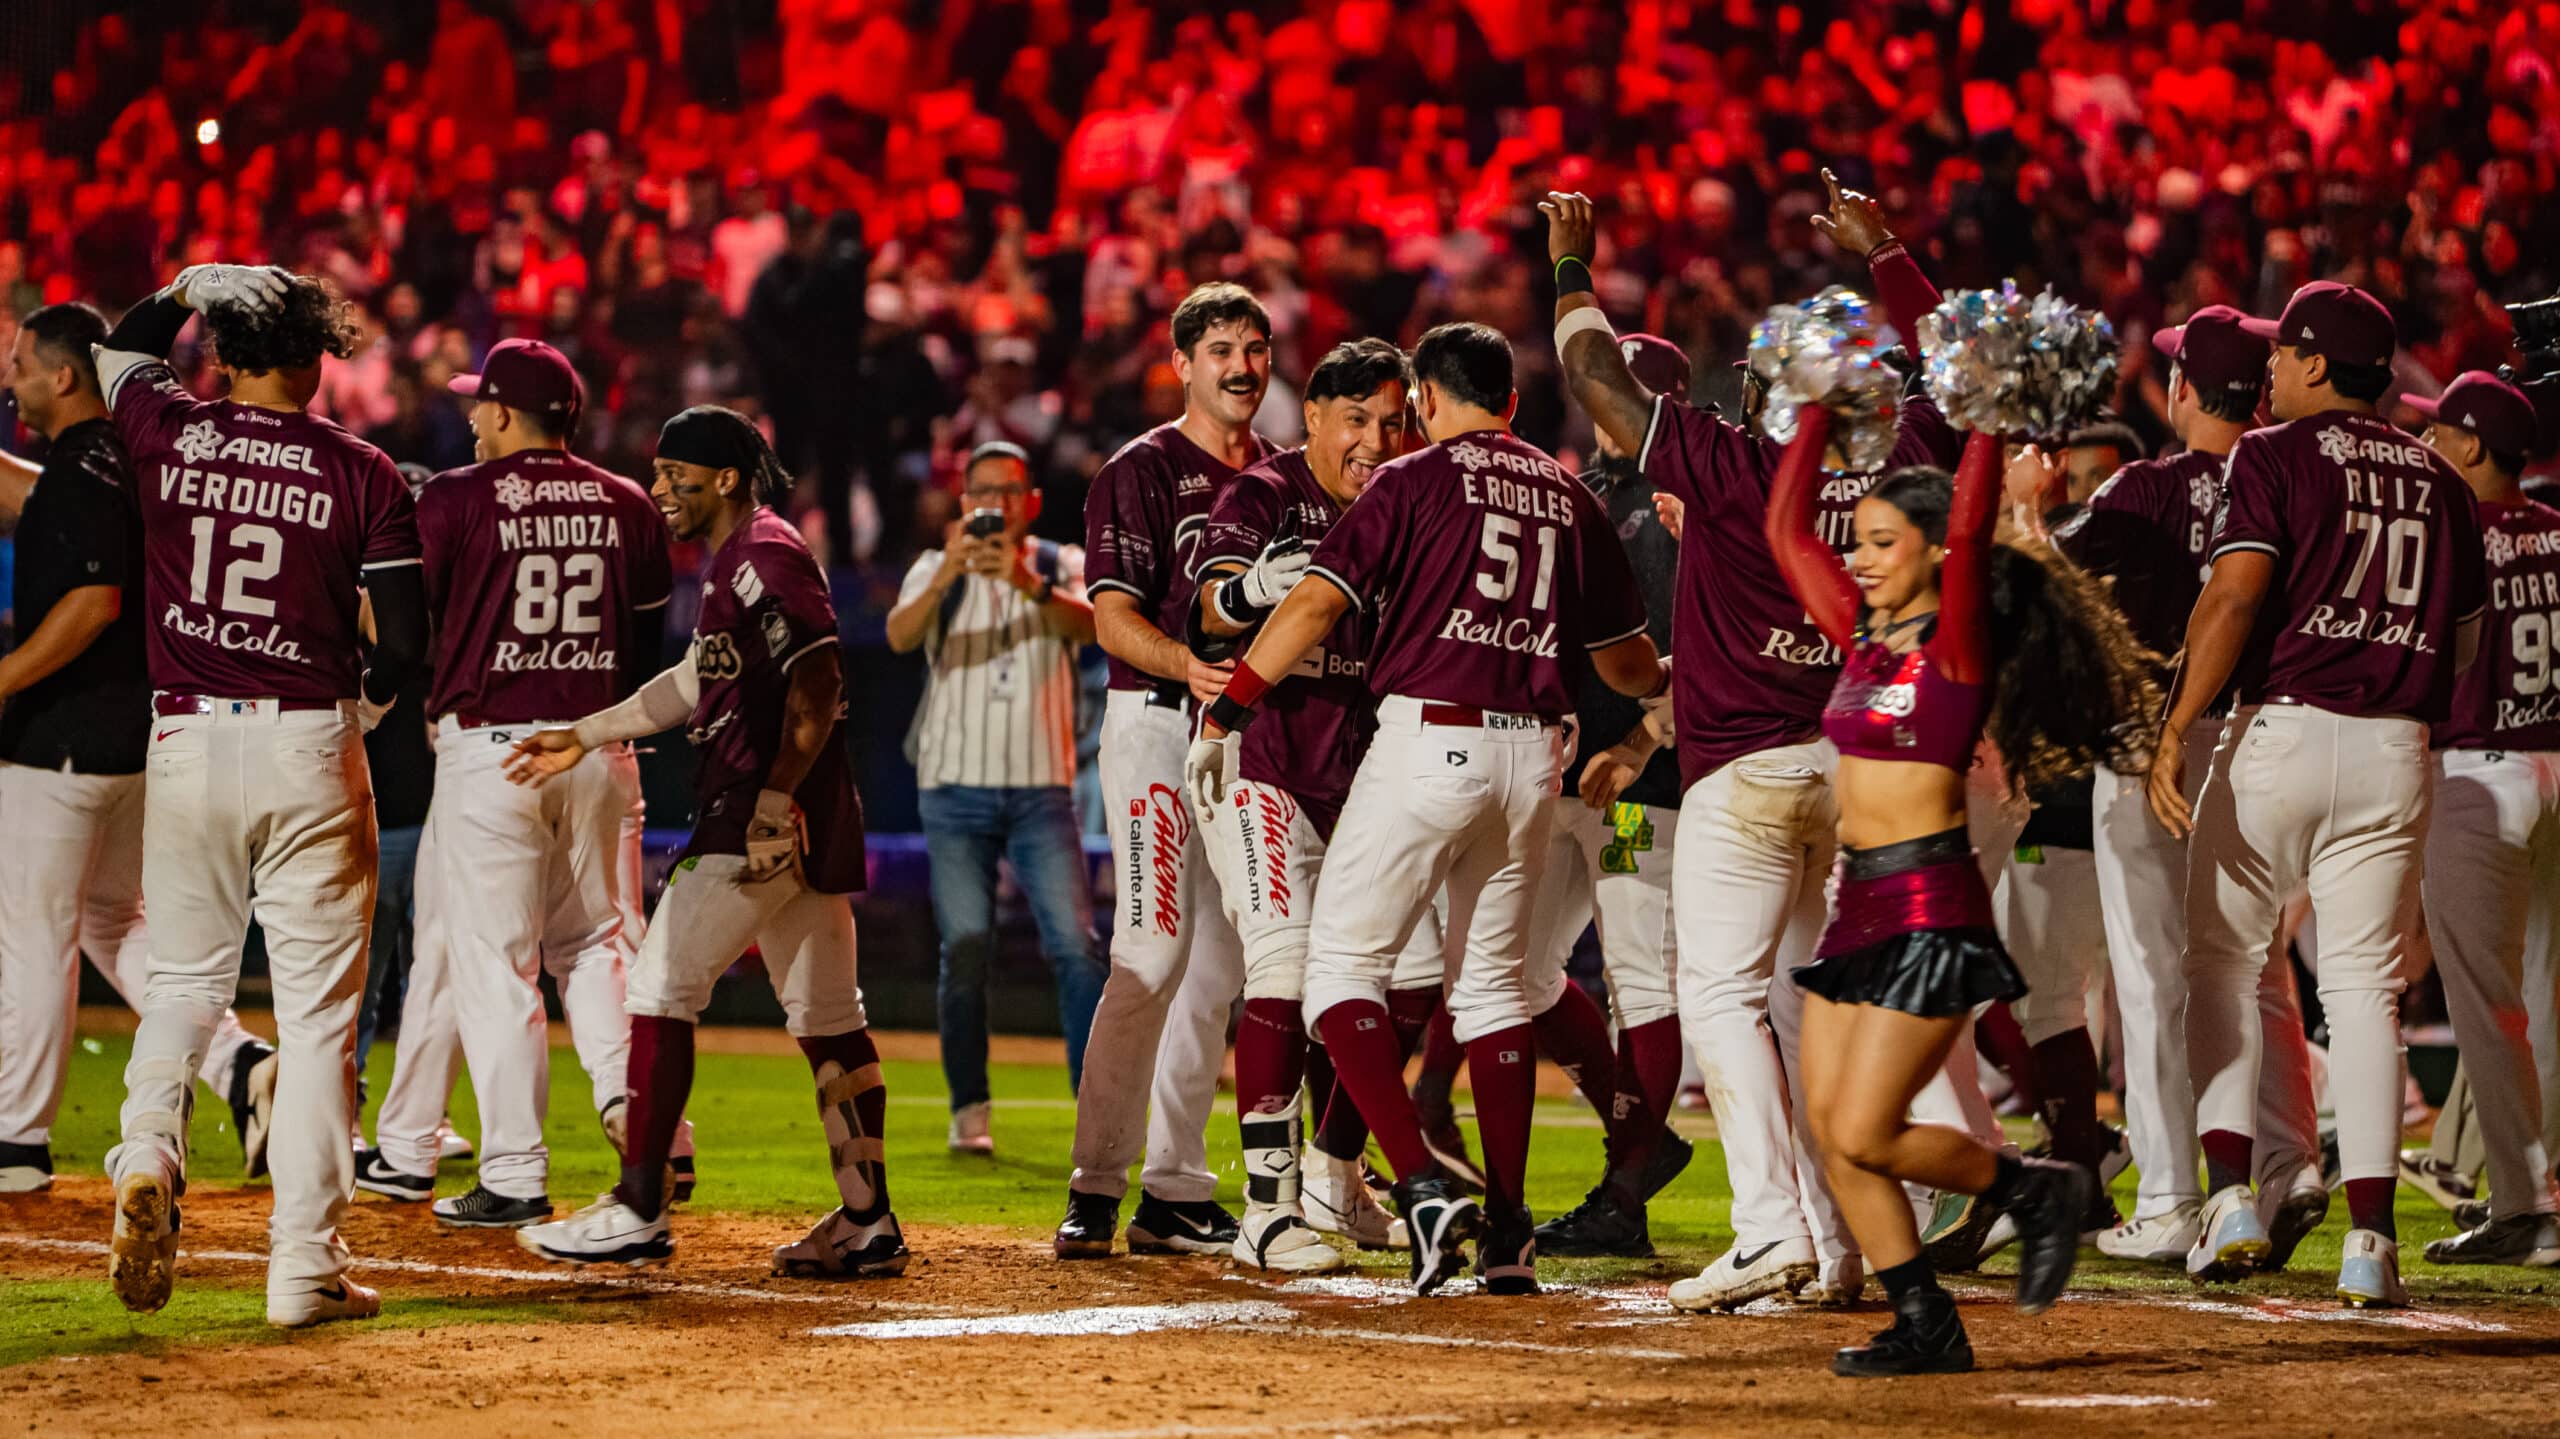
574, 1278
2106, 1401
1258, 1316
1218, 1431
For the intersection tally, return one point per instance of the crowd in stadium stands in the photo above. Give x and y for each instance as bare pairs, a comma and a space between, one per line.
900, 227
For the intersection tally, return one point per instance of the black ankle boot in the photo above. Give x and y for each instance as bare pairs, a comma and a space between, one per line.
1927, 1337
2053, 1204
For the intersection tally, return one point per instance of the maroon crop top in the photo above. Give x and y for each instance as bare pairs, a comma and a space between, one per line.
1925, 704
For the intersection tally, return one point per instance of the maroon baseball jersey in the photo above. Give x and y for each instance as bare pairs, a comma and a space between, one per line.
1753, 672
257, 527
1487, 575
2510, 697
1316, 722
2378, 559
764, 606
540, 567
2146, 529
1142, 520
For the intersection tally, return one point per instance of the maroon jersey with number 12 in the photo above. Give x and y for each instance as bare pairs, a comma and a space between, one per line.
257, 527
2510, 697
765, 607
1143, 519
539, 568
1487, 575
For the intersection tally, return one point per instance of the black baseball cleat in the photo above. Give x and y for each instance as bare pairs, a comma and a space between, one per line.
1507, 1256
1606, 1224
679, 1178
1671, 1154
486, 1208
1185, 1226
1441, 1220
1927, 1337
2053, 1200
373, 1176
253, 1103
1086, 1231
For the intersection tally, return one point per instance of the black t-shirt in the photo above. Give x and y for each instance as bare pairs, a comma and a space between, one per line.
1603, 715
82, 526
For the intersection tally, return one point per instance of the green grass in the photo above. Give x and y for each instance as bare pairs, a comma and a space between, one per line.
761, 1154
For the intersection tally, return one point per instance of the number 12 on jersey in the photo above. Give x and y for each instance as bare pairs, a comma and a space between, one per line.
259, 554
1501, 544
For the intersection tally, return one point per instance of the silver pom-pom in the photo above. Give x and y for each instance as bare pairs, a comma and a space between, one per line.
2001, 363
1829, 351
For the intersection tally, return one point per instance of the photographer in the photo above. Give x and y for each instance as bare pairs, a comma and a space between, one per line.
1000, 617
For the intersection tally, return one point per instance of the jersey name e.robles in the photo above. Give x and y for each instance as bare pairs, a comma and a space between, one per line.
764, 607
1143, 519
2510, 697
257, 527
540, 567
1487, 575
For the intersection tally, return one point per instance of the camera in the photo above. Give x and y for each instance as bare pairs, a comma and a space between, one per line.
2537, 325
983, 524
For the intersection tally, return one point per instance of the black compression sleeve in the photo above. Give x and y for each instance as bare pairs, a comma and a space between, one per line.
399, 595
151, 327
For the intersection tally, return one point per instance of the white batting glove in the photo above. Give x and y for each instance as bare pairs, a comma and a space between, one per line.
1282, 564
773, 837
1208, 772
247, 287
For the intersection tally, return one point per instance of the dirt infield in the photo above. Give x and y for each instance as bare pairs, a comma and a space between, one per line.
988, 1335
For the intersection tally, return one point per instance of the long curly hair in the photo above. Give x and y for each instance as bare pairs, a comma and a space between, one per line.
313, 321
2071, 687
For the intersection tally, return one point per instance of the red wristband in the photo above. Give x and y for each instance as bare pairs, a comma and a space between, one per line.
1247, 688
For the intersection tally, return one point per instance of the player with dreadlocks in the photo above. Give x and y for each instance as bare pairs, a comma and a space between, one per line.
776, 852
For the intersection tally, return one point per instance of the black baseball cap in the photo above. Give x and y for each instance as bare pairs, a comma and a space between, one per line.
525, 375
2336, 321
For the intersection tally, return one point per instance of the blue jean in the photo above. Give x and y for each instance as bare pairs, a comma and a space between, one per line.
966, 831
394, 911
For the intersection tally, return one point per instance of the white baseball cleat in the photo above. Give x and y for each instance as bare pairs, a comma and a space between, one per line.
605, 1232
1738, 1276
1335, 1198
344, 1300
142, 1258
969, 1130
2531, 1241
451, 1145
1278, 1240
843, 1247
2232, 1240
2369, 1272
1841, 1282
2161, 1239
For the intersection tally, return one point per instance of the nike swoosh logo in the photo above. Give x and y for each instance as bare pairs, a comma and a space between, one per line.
162, 735
1745, 1261
1196, 1226
335, 1293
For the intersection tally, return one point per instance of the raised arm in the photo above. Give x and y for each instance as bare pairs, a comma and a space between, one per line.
1588, 349
1856, 223
1812, 568
1962, 644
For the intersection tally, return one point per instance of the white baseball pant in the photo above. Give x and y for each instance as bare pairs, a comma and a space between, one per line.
2298, 796
708, 916
1269, 861
73, 885
1159, 1036
1756, 839
2142, 898
1614, 866
2049, 920
542, 889
2490, 810
2542, 984
1462, 806
252, 813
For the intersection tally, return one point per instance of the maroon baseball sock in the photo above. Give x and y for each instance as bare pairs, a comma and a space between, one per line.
2228, 1158
853, 1105
1414, 1011
2067, 1073
2000, 1039
1502, 1068
1361, 1039
1271, 1055
1574, 1035
661, 1078
2369, 1206
1649, 1065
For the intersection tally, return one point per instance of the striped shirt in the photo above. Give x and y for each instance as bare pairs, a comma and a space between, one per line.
999, 708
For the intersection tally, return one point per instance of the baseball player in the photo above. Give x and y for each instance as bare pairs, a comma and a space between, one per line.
2497, 794
1175, 963
76, 721
547, 576
260, 524
1757, 826
1610, 859
775, 855
1267, 837
1485, 574
2360, 548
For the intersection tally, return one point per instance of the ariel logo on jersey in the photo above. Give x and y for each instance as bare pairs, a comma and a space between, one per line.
515, 492
1159, 829
202, 441
2204, 493
2339, 445
231, 634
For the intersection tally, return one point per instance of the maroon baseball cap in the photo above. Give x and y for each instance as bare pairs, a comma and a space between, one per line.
525, 375
1657, 364
2338, 322
2214, 350
2488, 407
